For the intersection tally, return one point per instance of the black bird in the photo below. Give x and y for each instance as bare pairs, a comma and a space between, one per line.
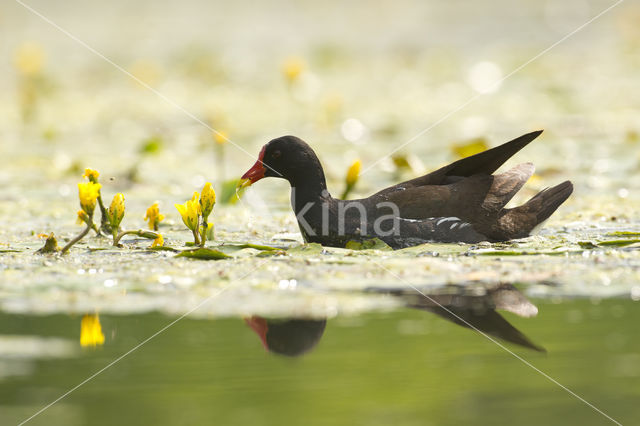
460, 202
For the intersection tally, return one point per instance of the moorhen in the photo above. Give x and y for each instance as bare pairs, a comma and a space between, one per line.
460, 202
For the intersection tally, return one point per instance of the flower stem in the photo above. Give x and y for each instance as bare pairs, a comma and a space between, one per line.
77, 238
140, 233
346, 192
205, 227
104, 223
196, 236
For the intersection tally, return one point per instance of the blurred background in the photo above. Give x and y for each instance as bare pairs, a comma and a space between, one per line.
134, 89
354, 81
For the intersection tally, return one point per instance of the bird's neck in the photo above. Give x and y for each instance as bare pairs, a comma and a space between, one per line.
308, 186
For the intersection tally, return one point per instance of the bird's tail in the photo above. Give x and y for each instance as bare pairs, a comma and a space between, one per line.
521, 221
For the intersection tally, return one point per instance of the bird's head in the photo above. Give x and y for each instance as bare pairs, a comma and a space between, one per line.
287, 157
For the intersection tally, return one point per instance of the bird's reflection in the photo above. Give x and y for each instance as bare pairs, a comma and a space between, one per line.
466, 306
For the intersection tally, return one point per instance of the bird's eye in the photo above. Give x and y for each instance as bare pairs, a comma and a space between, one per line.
276, 154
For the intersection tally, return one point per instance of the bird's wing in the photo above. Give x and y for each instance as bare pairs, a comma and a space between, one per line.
485, 163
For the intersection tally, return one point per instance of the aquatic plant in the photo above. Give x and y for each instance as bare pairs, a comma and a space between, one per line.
353, 173
190, 213
207, 201
89, 197
88, 194
158, 242
153, 216
292, 68
115, 213
93, 175
195, 214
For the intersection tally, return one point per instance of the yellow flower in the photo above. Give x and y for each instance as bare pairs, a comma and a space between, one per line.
292, 68
91, 174
91, 331
158, 242
220, 137
353, 173
29, 58
115, 213
83, 217
190, 212
88, 193
207, 200
469, 148
153, 216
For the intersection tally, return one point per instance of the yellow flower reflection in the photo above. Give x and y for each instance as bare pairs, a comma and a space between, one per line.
88, 193
153, 216
91, 331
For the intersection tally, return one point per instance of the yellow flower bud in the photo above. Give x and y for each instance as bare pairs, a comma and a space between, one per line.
88, 193
83, 217
158, 242
353, 173
153, 216
190, 212
115, 213
91, 331
91, 174
207, 200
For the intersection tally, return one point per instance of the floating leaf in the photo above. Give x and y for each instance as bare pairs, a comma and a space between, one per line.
372, 244
309, 248
587, 245
435, 249
623, 234
204, 254
163, 248
269, 253
619, 243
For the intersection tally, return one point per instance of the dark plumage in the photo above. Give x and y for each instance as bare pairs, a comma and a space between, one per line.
460, 202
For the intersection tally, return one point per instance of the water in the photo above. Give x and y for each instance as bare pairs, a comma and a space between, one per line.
405, 366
